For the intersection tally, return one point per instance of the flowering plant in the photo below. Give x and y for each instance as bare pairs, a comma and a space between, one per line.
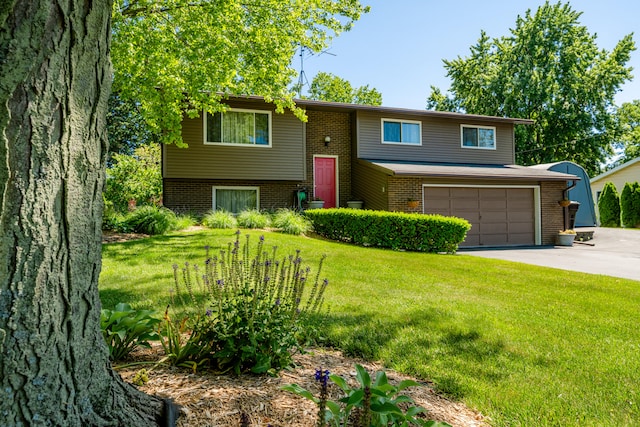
248, 313
372, 403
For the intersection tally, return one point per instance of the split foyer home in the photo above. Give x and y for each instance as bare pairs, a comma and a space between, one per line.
389, 158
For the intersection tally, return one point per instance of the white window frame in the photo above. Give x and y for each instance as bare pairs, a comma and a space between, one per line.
495, 137
235, 144
401, 121
232, 187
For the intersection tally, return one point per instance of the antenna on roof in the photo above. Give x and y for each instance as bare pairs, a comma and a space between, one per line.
302, 77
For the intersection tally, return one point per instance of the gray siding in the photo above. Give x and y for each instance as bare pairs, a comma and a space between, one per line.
284, 160
370, 186
440, 141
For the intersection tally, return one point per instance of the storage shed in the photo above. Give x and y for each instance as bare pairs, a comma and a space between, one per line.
586, 215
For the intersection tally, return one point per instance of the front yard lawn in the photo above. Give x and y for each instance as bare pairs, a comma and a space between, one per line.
525, 345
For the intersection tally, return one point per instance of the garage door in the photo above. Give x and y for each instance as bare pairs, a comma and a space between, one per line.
498, 216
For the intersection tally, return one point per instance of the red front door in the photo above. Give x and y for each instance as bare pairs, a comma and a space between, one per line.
324, 180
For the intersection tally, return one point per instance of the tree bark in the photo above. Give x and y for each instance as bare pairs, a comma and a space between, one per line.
55, 77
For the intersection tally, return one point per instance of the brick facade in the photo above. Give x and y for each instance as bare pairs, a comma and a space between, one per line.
337, 126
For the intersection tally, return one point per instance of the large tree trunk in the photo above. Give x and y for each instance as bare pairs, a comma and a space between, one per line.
55, 76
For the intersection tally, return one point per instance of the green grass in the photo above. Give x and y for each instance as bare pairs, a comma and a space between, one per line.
525, 345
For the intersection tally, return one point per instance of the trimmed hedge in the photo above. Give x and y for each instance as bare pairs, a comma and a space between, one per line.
396, 230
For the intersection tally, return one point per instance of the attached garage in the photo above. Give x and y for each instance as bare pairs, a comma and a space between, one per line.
499, 216
507, 205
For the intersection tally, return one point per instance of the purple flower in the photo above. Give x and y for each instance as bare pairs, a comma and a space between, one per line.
278, 302
322, 377
208, 313
175, 266
262, 238
325, 282
220, 282
238, 232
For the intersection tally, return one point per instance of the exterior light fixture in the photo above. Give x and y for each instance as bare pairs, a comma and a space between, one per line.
327, 140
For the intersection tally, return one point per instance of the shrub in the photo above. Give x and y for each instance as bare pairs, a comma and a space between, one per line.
136, 177
630, 205
184, 221
253, 218
416, 232
291, 222
372, 403
256, 313
609, 206
125, 329
150, 220
219, 219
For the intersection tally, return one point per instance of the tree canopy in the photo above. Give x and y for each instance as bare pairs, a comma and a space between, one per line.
551, 70
628, 119
329, 87
180, 56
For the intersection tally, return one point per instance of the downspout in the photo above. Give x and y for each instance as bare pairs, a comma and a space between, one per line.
565, 196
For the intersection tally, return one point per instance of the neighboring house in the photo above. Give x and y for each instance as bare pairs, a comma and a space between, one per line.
450, 163
620, 175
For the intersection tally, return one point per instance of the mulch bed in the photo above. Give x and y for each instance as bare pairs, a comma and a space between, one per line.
208, 399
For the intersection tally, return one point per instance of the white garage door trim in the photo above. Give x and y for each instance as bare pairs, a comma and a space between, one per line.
536, 201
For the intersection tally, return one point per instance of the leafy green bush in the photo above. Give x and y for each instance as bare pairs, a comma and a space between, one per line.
150, 220
136, 177
256, 312
291, 222
630, 205
219, 219
416, 232
609, 206
376, 403
253, 218
125, 329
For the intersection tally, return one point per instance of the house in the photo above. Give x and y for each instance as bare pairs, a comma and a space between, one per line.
619, 176
450, 163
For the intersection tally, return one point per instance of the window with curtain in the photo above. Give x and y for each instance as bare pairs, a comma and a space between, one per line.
242, 127
401, 132
235, 199
479, 137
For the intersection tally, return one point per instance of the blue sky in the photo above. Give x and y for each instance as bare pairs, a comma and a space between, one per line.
399, 46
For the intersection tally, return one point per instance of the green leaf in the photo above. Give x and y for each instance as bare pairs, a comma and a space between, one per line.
363, 376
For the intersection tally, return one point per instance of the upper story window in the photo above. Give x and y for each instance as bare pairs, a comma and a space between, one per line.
401, 132
478, 137
238, 127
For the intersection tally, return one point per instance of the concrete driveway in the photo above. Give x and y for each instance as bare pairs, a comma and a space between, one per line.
612, 252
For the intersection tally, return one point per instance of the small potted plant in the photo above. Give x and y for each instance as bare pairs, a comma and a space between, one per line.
316, 203
355, 204
413, 203
565, 237
564, 202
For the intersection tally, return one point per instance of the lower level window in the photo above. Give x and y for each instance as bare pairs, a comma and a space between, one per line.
236, 199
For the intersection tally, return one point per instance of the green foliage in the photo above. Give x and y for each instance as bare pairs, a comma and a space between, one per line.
136, 177
150, 220
126, 128
415, 232
184, 221
609, 206
163, 51
255, 314
548, 69
219, 219
628, 121
328, 87
373, 403
125, 329
630, 205
253, 218
291, 222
